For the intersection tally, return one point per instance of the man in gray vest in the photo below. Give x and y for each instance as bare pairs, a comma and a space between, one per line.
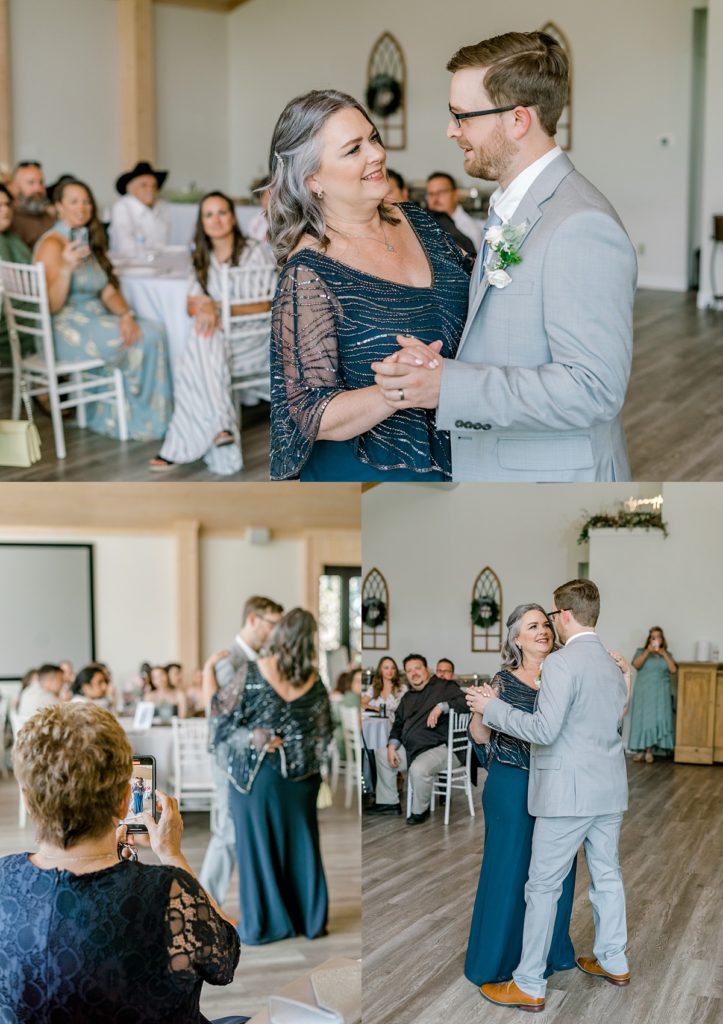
578, 791
260, 615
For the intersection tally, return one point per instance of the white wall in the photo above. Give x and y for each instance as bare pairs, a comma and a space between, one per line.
65, 91
192, 97
632, 79
430, 544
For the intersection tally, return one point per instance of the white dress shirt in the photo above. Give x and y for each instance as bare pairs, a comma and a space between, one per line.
135, 226
505, 201
33, 698
470, 227
250, 653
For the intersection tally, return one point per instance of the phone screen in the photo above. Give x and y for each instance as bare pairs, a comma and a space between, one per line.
143, 793
79, 235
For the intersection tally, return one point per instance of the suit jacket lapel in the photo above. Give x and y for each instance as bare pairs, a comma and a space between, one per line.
530, 210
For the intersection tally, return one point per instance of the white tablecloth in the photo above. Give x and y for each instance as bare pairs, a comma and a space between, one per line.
184, 216
156, 742
159, 291
375, 731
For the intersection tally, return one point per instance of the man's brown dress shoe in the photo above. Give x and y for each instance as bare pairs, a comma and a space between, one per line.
506, 993
589, 965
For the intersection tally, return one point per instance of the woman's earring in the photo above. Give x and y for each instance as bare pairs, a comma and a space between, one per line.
319, 194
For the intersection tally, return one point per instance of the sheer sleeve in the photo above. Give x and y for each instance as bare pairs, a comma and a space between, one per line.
305, 373
200, 941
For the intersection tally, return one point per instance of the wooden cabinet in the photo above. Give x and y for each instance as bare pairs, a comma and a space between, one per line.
699, 719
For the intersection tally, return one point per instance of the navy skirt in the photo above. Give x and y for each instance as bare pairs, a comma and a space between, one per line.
495, 939
336, 461
281, 877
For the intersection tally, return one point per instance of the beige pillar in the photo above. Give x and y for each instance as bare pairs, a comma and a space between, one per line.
6, 112
188, 598
137, 81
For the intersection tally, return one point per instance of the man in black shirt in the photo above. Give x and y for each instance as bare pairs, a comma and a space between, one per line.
418, 740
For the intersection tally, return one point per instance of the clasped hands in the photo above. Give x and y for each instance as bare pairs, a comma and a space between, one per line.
478, 697
411, 378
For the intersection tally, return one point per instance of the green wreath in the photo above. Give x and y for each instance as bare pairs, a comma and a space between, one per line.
485, 612
384, 95
374, 612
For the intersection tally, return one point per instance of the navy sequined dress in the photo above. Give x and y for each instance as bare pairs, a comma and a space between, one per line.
495, 938
330, 323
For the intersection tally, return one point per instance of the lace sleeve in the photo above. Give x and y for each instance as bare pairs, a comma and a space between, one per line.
200, 941
305, 373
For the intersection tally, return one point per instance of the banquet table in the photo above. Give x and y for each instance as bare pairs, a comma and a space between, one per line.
375, 731
185, 215
156, 742
157, 288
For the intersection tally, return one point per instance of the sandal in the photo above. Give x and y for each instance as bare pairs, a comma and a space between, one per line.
224, 438
649, 758
640, 756
160, 465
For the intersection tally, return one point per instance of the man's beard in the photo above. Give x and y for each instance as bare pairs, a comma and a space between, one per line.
492, 163
35, 206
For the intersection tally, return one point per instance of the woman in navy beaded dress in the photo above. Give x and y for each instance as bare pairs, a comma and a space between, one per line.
495, 940
357, 273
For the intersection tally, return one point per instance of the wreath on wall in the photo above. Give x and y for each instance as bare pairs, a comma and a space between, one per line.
485, 612
621, 521
384, 95
374, 612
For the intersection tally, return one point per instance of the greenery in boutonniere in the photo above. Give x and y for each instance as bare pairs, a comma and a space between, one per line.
504, 242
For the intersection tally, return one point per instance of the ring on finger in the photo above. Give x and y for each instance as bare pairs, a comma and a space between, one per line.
401, 394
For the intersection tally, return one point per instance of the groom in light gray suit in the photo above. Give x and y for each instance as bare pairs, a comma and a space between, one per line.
577, 792
537, 387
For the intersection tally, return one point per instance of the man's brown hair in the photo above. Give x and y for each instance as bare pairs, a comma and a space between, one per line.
582, 598
259, 605
529, 69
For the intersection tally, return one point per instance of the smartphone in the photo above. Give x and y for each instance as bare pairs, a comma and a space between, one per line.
79, 235
143, 793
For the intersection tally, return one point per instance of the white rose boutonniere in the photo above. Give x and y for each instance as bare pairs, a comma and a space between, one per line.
503, 241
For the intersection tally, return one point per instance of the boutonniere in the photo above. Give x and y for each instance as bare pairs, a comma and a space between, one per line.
503, 241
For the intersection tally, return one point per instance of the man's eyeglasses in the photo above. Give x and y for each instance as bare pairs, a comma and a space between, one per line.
459, 118
551, 615
265, 618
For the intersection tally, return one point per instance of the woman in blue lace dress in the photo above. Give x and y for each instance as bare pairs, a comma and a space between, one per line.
357, 273
91, 319
84, 935
495, 939
271, 729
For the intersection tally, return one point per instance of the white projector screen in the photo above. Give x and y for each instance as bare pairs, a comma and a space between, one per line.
46, 606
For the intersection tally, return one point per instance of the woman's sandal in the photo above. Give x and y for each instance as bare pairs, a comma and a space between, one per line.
640, 756
160, 465
224, 438
649, 758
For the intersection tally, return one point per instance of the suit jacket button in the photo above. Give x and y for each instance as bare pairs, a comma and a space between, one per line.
477, 426
487, 426
459, 423
468, 425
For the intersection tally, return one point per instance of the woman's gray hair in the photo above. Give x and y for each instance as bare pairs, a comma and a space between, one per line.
293, 644
295, 155
511, 653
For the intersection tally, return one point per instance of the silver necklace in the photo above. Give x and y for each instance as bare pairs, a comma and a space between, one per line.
370, 238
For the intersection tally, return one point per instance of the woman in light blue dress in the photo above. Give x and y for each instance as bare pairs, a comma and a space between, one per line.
92, 319
651, 712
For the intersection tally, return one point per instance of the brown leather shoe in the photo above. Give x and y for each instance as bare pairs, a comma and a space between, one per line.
589, 965
506, 993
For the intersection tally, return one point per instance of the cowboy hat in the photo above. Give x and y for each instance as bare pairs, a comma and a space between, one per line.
141, 168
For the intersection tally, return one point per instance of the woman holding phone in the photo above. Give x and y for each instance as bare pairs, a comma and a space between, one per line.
651, 713
84, 932
91, 319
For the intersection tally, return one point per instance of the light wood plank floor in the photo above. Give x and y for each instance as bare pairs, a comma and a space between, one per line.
673, 412
419, 885
262, 969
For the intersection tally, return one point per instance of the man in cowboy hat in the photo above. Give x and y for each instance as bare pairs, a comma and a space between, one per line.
140, 220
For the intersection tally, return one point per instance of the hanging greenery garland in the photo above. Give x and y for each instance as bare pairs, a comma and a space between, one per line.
384, 95
485, 612
623, 520
374, 612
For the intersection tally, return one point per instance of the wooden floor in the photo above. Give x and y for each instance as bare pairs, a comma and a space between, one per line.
262, 969
419, 885
673, 413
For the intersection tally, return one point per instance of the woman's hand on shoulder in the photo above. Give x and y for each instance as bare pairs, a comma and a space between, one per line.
620, 660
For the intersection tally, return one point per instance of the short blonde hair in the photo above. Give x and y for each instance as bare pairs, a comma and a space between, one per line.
73, 763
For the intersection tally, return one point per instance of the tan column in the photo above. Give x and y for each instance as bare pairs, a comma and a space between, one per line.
137, 81
188, 598
6, 112
326, 547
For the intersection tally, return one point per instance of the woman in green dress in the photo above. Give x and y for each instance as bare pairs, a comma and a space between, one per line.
651, 714
91, 317
13, 250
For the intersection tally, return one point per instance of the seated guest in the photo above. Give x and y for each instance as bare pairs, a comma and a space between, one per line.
78, 956
258, 228
387, 686
398, 191
417, 740
140, 220
170, 700
445, 669
89, 686
33, 214
12, 250
204, 424
347, 695
42, 692
443, 197
68, 672
92, 319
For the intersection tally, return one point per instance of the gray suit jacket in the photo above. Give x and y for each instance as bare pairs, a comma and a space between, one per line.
577, 761
227, 667
537, 387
